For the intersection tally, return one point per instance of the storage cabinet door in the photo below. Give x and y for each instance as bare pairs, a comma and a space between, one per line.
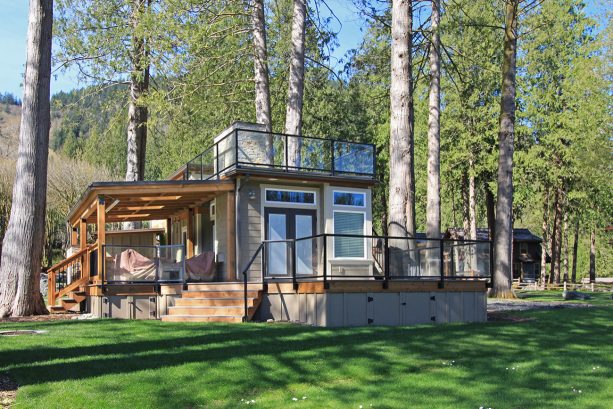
383, 308
144, 308
415, 308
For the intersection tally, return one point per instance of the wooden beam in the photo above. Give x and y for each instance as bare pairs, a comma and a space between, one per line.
190, 233
101, 222
231, 237
82, 234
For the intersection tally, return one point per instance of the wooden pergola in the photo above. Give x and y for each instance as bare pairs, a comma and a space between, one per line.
109, 202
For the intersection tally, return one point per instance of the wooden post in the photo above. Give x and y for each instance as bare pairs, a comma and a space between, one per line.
231, 237
73, 236
101, 221
190, 233
82, 234
169, 231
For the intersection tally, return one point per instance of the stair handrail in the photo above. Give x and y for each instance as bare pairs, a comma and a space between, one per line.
246, 307
81, 256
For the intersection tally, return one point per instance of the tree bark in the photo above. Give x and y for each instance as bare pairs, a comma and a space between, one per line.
433, 207
573, 276
565, 249
293, 115
593, 256
139, 86
261, 74
23, 243
401, 200
556, 243
465, 206
503, 237
544, 247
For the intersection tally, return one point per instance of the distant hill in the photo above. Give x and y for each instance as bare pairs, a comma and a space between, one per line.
10, 116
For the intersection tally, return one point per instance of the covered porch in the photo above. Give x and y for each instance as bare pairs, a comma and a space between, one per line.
96, 259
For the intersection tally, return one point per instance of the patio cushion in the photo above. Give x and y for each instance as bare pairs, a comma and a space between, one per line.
201, 267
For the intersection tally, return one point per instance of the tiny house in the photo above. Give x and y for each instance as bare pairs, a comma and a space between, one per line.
264, 226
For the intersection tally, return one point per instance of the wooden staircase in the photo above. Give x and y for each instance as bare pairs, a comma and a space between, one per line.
214, 302
71, 294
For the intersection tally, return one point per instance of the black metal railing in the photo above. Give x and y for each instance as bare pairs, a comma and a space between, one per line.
253, 149
330, 257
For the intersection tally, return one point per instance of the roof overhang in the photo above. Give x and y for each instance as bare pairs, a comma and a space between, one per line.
144, 200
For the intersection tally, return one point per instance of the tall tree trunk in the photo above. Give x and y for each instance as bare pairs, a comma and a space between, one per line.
260, 68
139, 86
23, 243
593, 256
545, 246
472, 217
557, 233
490, 204
465, 206
573, 276
401, 201
503, 237
565, 250
433, 208
293, 115
554, 245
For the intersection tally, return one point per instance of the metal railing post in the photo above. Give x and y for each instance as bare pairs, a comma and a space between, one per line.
386, 254
386, 262
217, 160
491, 274
236, 148
332, 157
286, 154
441, 283
325, 257
293, 258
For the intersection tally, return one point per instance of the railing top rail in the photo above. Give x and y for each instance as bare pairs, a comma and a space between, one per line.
145, 246
259, 249
68, 260
306, 137
373, 236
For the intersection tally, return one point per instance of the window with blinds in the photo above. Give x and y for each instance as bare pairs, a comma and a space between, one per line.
348, 223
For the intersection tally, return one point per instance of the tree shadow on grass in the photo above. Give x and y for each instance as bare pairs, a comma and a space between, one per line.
184, 365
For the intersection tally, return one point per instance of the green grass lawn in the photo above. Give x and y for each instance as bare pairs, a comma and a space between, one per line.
149, 364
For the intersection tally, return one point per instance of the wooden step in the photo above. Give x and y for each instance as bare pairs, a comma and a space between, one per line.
219, 294
212, 302
206, 311
70, 304
196, 318
79, 296
57, 309
222, 286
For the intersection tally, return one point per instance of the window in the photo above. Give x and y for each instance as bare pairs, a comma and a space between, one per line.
523, 248
349, 199
349, 223
290, 196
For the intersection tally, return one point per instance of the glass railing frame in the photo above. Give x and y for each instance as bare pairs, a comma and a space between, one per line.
235, 162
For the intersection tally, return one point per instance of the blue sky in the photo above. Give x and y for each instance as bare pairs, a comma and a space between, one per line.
14, 23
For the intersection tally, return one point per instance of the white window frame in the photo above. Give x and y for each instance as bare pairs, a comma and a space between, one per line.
346, 205
274, 202
363, 213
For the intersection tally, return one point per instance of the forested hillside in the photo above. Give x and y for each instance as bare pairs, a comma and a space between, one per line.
201, 66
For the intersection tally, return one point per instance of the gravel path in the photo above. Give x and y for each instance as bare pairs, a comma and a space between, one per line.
494, 305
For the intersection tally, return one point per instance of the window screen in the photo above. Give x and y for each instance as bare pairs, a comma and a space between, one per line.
348, 223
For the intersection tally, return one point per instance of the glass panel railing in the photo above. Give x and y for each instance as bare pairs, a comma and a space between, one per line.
261, 149
354, 158
466, 258
254, 148
144, 264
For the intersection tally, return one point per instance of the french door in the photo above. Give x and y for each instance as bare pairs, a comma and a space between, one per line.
289, 224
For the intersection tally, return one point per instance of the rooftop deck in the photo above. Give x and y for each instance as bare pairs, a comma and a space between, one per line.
254, 150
